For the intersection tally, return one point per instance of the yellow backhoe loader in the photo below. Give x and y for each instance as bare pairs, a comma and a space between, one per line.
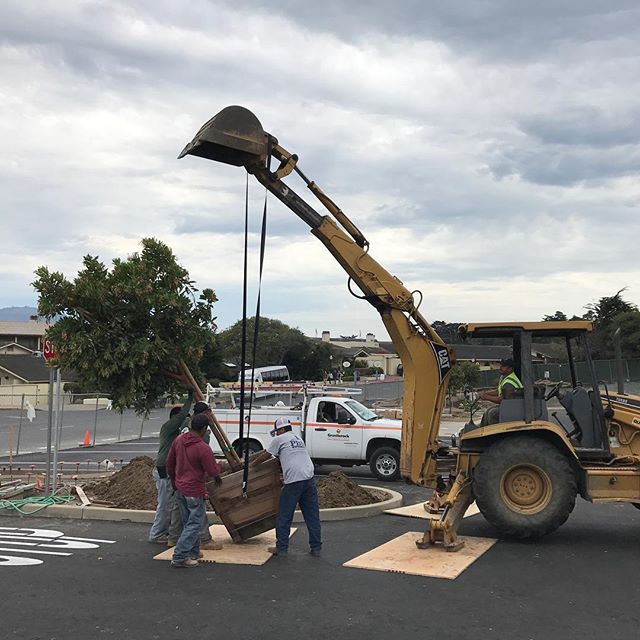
524, 471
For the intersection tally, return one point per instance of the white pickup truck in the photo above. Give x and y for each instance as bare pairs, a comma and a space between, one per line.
336, 430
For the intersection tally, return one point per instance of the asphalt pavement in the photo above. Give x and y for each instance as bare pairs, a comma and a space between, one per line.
580, 582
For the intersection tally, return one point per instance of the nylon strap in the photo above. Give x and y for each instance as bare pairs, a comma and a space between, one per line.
256, 326
256, 329
243, 347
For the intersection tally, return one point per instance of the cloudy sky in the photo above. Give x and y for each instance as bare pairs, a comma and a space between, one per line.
489, 150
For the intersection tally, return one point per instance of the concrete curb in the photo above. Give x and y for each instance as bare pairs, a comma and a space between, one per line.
361, 511
78, 512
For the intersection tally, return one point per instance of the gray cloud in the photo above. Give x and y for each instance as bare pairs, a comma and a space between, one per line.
488, 150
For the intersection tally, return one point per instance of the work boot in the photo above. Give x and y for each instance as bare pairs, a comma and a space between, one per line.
211, 545
159, 540
171, 542
189, 563
274, 551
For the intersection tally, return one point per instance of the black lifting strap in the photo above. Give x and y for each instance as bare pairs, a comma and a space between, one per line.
256, 328
243, 344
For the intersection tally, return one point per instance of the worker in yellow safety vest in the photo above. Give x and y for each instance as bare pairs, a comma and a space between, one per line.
508, 384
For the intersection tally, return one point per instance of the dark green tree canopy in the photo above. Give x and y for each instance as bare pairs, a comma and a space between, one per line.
125, 330
609, 313
278, 343
557, 316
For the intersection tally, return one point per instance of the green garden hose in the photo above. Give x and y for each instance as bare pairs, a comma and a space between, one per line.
41, 502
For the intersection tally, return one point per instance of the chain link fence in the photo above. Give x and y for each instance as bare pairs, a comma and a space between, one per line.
87, 419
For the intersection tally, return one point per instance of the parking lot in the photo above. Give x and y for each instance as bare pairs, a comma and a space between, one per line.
580, 582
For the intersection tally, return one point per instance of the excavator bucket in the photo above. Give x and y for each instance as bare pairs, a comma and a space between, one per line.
233, 136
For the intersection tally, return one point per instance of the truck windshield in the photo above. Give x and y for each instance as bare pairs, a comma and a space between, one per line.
361, 410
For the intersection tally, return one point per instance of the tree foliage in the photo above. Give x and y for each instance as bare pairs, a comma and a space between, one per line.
125, 330
557, 316
464, 374
278, 343
607, 314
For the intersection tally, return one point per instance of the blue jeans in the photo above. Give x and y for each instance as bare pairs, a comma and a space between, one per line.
175, 526
305, 494
162, 519
168, 519
193, 512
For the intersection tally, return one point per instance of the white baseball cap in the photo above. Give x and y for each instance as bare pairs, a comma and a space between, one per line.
280, 423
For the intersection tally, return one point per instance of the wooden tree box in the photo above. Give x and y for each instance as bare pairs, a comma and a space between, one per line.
245, 517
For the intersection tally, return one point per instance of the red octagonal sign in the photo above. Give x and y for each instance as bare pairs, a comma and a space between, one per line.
47, 350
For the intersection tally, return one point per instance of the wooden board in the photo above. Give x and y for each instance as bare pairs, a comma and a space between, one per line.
82, 495
417, 511
253, 551
401, 555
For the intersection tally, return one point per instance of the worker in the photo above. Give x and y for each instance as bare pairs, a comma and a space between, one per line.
189, 464
178, 418
299, 488
207, 543
508, 384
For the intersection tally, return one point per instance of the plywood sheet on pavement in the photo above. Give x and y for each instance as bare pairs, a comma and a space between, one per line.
401, 555
417, 511
253, 551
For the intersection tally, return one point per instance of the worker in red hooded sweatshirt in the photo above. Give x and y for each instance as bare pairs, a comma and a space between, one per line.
189, 463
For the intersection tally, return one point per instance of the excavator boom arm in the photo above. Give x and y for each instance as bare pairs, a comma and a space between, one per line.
235, 136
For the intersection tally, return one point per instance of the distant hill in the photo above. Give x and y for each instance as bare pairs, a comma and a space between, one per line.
16, 314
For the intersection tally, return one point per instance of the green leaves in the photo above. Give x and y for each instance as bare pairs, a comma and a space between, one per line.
464, 374
124, 330
278, 343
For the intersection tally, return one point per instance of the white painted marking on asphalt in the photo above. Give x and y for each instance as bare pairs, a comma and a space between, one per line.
46, 553
47, 538
13, 561
45, 533
90, 540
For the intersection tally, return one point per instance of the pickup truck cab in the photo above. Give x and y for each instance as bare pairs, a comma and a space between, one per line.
336, 430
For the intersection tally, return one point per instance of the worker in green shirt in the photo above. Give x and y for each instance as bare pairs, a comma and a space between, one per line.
167, 523
178, 418
207, 543
508, 384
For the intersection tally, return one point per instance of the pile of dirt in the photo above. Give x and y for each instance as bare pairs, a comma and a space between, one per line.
130, 488
133, 488
338, 490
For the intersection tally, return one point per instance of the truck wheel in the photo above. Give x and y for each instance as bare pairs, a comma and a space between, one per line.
385, 463
524, 486
254, 447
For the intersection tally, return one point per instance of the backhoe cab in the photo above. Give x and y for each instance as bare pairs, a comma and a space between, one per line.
580, 422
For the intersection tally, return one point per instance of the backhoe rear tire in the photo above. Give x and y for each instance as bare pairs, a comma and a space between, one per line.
524, 486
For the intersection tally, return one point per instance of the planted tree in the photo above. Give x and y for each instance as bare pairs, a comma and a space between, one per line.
126, 330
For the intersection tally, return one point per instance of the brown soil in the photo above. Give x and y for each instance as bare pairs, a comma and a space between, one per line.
133, 488
130, 488
338, 490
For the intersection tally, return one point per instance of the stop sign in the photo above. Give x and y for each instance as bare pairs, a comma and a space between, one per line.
47, 350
